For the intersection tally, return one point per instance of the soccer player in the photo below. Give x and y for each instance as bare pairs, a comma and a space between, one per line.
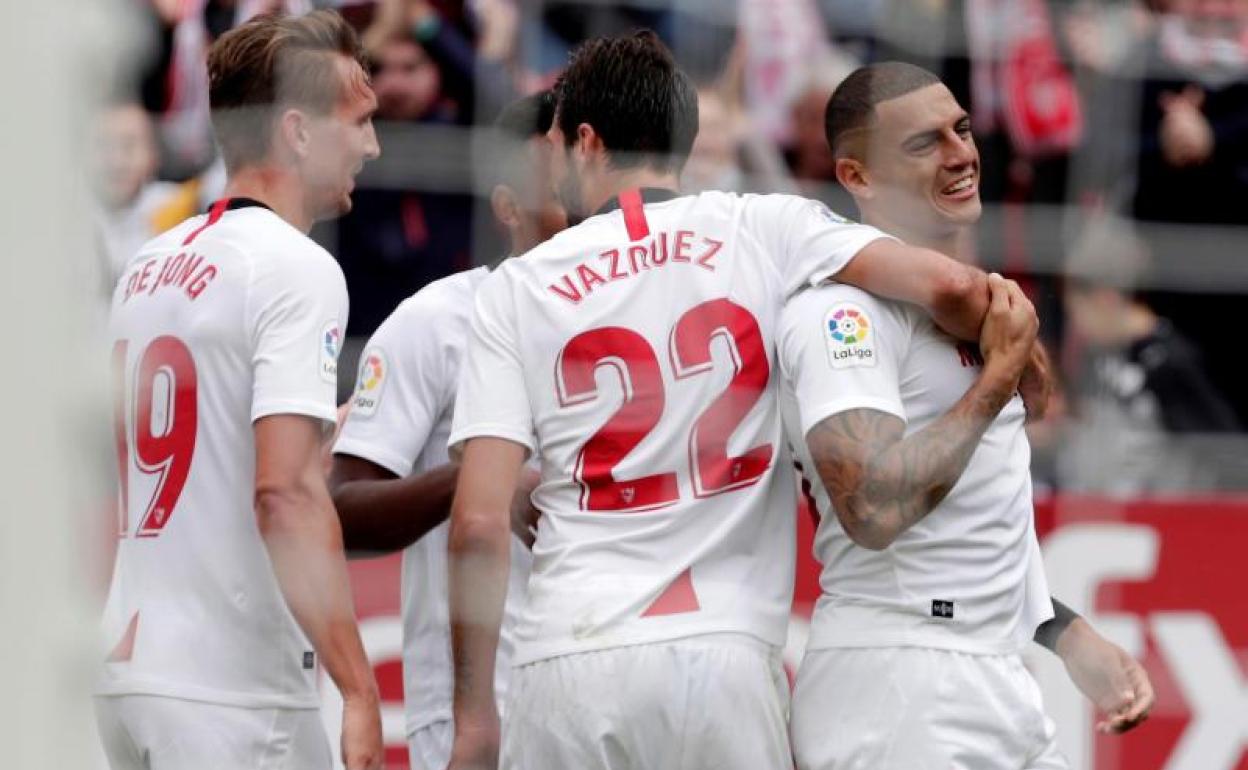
392, 479
634, 354
932, 580
230, 583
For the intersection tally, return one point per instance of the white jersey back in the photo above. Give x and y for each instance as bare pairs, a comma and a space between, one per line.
216, 323
400, 419
967, 576
635, 354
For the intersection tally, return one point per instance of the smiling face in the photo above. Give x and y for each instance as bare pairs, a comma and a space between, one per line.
920, 163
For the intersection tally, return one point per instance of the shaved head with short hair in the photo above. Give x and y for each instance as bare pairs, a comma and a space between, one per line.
852, 106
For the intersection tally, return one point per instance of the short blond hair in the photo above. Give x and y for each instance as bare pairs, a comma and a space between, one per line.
267, 64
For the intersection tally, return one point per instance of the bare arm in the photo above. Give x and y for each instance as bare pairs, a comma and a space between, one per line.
881, 483
955, 295
382, 512
300, 530
1103, 671
479, 563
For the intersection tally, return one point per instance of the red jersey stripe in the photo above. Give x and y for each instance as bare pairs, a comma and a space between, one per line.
214, 214
634, 214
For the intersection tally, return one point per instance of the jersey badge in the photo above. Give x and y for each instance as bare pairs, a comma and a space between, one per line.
849, 337
369, 384
331, 344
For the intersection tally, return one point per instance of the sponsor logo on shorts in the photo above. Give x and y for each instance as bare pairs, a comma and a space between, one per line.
942, 608
849, 338
331, 345
369, 383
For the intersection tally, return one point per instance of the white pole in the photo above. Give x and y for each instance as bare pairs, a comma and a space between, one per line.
55, 452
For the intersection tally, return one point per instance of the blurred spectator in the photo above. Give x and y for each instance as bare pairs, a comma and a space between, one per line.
408, 83
471, 51
1143, 401
715, 161
132, 206
1193, 153
727, 154
1192, 163
809, 158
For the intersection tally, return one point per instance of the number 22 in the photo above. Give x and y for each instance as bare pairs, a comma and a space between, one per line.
713, 471
165, 419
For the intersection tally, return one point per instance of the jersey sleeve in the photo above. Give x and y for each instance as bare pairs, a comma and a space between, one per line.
401, 389
296, 316
807, 240
492, 398
842, 349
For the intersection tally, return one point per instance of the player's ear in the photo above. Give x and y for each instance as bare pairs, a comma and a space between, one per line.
589, 142
294, 133
853, 177
505, 207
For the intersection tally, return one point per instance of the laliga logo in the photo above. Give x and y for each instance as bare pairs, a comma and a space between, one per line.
368, 385
847, 337
848, 326
332, 338
370, 372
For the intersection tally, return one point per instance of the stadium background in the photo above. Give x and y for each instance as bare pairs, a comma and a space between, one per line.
1128, 113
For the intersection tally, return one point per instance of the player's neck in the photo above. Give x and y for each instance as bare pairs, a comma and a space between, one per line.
957, 243
274, 188
616, 182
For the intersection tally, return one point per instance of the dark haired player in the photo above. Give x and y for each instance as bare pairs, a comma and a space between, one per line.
634, 354
392, 480
932, 580
230, 583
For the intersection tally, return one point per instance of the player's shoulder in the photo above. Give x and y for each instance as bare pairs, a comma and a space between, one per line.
825, 300
446, 299
790, 205
259, 232
277, 254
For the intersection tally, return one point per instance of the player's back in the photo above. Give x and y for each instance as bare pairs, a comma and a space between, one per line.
216, 323
646, 338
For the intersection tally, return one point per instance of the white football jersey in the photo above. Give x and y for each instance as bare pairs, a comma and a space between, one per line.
966, 577
222, 320
635, 354
400, 419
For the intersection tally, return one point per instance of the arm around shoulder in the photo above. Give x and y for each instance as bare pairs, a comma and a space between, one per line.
954, 294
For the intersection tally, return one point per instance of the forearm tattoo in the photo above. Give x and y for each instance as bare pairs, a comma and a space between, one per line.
881, 483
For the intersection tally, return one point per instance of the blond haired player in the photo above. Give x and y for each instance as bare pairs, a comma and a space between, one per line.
634, 353
230, 585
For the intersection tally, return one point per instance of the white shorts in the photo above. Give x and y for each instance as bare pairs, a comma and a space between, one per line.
151, 732
708, 702
429, 748
914, 708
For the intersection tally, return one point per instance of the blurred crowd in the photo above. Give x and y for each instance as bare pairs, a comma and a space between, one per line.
1113, 137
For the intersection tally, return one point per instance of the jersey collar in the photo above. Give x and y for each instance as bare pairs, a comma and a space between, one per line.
648, 195
230, 204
